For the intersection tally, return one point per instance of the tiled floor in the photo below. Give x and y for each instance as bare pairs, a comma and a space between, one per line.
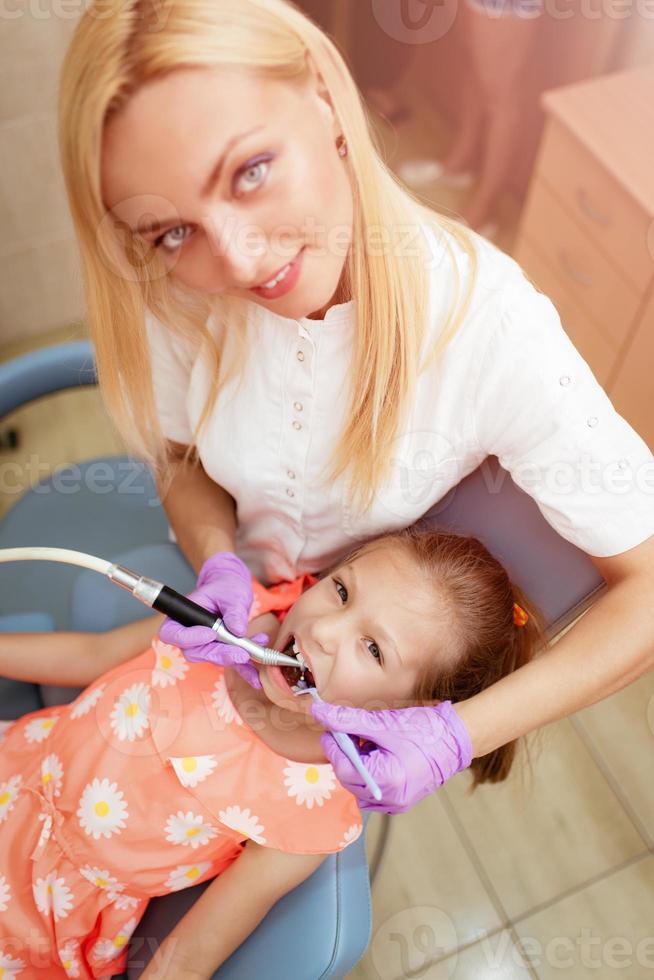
549, 875
559, 858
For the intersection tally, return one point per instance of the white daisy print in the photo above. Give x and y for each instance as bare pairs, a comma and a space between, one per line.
129, 716
192, 769
69, 957
243, 821
170, 667
221, 702
187, 828
8, 794
106, 949
101, 878
9, 966
52, 772
185, 875
85, 702
102, 810
5, 895
46, 829
124, 901
309, 783
39, 728
351, 834
53, 893
5, 727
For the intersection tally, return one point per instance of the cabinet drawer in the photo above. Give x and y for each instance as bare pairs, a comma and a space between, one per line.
581, 330
631, 391
600, 205
589, 278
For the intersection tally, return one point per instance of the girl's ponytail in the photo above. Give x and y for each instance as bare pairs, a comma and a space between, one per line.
522, 642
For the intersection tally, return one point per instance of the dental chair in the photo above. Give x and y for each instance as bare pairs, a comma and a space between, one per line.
110, 508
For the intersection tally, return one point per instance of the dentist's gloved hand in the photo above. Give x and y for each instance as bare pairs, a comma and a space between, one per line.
224, 586
409, 752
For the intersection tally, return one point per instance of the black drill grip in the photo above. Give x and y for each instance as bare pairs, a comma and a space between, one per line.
183, 610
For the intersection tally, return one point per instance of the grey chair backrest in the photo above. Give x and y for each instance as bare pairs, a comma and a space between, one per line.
45, 371
556, 575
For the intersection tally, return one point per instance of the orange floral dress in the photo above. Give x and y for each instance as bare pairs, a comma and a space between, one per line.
149, 782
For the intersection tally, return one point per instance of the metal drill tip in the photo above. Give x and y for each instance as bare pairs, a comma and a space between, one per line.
262, 655
281, 659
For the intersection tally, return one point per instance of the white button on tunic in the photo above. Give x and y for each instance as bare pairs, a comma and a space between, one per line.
510, 383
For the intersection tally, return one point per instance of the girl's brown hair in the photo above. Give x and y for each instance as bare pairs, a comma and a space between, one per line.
486, 644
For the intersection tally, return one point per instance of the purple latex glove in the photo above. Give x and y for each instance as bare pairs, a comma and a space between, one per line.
224, 586
415, 750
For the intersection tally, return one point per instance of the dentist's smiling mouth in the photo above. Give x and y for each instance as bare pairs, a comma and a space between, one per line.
283, 281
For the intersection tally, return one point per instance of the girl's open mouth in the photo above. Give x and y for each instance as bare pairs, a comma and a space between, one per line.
292, 675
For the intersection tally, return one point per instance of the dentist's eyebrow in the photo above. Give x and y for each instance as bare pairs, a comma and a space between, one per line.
379, 628
149, 227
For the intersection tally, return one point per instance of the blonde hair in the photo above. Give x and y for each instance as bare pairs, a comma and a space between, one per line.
126, 44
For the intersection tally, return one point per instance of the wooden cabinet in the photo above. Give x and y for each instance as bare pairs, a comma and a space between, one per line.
586, 235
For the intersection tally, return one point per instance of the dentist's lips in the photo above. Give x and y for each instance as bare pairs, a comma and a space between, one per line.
285, 284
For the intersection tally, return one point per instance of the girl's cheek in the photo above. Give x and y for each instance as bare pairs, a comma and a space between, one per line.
359, 691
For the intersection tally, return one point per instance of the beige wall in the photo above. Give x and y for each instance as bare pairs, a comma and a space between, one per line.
39, 272
568, 50
40, 286
639, 43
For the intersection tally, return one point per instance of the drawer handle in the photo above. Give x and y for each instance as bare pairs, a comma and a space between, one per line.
589, 210
580, 277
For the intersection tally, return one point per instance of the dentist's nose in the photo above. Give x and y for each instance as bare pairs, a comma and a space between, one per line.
240, 248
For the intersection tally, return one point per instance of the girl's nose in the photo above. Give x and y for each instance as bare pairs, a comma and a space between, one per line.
325, 636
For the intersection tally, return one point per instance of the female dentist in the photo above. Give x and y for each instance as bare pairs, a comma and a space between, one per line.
285, 333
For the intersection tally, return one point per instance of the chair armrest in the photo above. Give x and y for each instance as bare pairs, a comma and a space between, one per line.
44, 371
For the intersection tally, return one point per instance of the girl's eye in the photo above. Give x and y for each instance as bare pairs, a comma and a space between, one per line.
377, 655
251, 171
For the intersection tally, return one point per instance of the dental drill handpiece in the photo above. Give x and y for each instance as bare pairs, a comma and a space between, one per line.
189, 613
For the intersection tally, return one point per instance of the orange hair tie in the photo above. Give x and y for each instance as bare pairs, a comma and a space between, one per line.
520, 617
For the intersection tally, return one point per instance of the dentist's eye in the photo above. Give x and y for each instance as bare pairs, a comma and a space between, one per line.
253, 174
170, 244
254, 167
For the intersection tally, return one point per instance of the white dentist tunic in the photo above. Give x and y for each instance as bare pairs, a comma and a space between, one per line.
510, 383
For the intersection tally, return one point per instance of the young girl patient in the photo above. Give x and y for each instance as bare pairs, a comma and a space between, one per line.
163, 772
